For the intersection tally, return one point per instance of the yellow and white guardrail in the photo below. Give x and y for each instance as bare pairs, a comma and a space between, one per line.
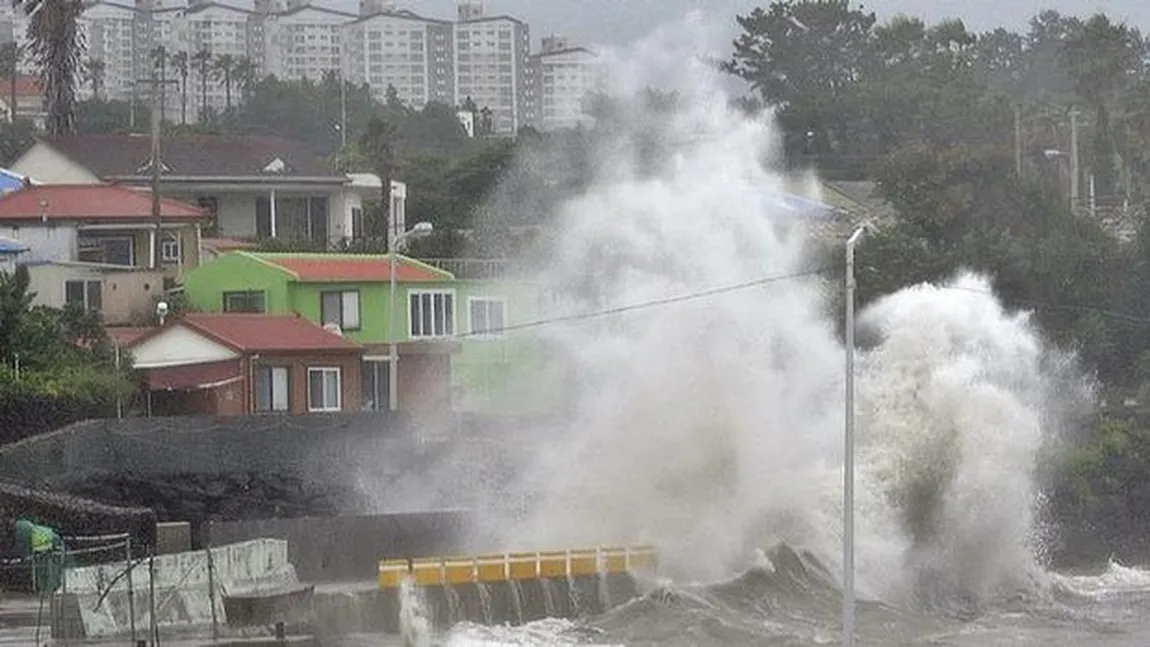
505, 567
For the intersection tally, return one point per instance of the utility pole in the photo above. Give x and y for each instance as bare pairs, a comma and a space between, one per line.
1018, 139
342, 113
1074, 172
157, 166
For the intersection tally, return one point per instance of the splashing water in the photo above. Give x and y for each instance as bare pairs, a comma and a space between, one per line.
713, 427
415, 624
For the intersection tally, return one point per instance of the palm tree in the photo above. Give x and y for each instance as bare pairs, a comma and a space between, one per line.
379, 144
180, 63
244, 74
94, 74
203, 60
160, 58
225, 69
10, 62
55, 43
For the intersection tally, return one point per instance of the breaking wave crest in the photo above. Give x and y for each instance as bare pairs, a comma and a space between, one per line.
713, 428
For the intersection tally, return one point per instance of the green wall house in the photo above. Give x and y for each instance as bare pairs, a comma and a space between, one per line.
449, 333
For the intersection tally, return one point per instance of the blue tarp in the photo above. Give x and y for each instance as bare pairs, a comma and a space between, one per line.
10, 181
793, 205
9, 246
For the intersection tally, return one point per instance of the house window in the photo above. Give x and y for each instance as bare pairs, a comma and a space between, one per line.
376, 389
272, 388
112, 250
340, 308
85, 294
323, 389
486, 316
432, 314
247, 301
170, 250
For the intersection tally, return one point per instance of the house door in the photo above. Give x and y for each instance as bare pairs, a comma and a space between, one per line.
376, 389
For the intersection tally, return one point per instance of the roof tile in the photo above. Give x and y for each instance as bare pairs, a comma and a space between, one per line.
325, 268
127, 156
89, 202
26, 86
266, 333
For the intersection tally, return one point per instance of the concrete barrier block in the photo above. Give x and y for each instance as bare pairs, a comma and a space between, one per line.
173, 537
108, 600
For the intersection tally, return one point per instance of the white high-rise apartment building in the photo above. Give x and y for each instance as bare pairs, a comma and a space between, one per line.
110, 31
486, 59
492, 58
563, 79
403, 50
304, 41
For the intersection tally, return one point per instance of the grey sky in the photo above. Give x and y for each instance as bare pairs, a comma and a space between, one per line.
618, 22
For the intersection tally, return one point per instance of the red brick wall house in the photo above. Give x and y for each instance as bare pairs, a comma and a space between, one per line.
238, 364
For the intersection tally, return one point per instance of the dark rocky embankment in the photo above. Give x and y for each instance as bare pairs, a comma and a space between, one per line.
220, 497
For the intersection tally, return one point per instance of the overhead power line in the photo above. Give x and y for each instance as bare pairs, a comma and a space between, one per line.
691, 296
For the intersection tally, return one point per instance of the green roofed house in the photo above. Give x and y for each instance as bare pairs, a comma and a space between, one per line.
452, 349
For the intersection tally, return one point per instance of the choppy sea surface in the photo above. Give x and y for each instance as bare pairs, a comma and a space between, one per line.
792, 600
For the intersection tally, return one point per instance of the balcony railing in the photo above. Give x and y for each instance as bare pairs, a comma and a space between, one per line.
472, 268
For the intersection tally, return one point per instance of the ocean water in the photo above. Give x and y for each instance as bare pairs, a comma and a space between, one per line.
712, 427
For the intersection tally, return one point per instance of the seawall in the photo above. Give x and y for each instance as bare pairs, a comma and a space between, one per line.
490, 589
348, 548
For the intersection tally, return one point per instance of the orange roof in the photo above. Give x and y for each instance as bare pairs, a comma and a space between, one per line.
250, 333
323, 268
89, 202
26, 86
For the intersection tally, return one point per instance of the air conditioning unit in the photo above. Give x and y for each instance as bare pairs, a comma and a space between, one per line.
333, 328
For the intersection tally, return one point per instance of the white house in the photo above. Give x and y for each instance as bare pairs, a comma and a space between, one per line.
252, 187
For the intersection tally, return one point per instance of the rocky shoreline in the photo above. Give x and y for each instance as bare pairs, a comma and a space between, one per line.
226, 497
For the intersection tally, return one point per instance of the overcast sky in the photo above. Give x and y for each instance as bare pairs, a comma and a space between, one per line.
618, 22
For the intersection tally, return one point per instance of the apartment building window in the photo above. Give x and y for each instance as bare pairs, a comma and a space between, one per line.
432, 314
340, 308
323, 389
271, 388
486, 316
252, 301
85, 294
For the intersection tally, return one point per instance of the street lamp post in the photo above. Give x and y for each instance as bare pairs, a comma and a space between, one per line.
849, 447
393, 347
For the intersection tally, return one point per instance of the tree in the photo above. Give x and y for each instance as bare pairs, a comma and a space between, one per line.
15, 300
55, 43
805, 57
180, 63
1100, 57
10, 54
224, 69
104, 117
391, 99
379, 143
203, 63
244, 74
94, 74
15, 138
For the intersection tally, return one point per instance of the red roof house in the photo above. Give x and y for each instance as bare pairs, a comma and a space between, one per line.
352, 268
91, 204
237, 364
